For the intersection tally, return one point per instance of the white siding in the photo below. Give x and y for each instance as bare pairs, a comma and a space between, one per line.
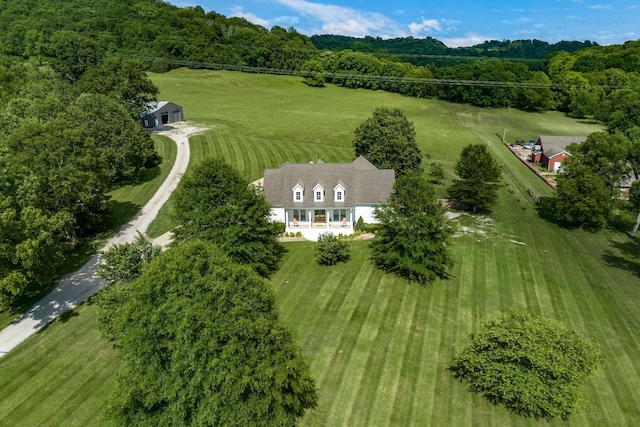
277, 215
366, 212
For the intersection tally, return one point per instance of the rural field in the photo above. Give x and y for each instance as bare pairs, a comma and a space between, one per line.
378, 347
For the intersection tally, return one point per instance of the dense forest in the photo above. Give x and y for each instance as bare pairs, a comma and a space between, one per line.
73, 84
421, 51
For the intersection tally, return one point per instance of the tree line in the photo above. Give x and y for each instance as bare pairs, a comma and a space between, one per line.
70, 134
580, 78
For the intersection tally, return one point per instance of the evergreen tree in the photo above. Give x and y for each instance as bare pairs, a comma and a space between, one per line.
412, 236
479, 174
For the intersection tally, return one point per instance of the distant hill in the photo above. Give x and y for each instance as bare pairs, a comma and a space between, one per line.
419, 50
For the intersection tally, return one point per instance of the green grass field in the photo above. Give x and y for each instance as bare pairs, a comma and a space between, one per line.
378, 347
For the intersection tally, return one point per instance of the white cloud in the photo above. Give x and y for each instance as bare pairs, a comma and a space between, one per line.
287, 21
426, 26
601, 7
344, 20
469, 40
238, 11
520, 21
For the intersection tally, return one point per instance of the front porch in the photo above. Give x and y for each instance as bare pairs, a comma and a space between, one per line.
312, 222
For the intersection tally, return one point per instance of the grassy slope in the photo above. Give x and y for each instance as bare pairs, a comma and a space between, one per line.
378, 347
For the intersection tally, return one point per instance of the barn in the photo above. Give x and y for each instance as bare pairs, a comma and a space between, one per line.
161, 113
552, 150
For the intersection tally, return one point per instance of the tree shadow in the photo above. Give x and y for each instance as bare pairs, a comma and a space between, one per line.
546, 209
626, 256
149, 174
120, 214
67, 315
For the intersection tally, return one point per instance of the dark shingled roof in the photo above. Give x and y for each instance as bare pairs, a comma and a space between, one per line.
363, 183
554, 145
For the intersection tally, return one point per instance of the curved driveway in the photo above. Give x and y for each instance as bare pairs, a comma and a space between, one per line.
76, 287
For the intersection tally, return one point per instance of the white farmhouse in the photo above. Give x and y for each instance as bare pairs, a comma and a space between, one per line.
319, 197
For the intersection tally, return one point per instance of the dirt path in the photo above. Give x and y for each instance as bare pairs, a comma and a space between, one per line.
76, 287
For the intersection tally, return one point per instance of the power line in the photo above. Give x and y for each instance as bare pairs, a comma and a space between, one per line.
370, 77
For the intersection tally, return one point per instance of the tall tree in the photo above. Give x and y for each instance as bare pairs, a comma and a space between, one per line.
123, 146
202, 345
582, 197
606, 155
388, 141
479, 175
215, 203
411, 240
123, 80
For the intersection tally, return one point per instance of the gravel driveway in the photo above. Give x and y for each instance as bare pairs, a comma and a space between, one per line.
76, 287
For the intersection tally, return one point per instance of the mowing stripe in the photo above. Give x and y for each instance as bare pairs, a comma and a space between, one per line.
389, 376
345, 329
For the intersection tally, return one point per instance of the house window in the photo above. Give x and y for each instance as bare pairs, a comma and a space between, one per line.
338, 214
298, 193
338, 193
318, 193
300, 214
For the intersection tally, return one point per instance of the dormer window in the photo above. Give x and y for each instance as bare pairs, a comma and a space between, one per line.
318, 193
338, 193
298, 193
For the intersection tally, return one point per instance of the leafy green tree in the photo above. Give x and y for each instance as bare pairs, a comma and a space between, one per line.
123, 146
202, 345
124, 81
214, 203
57, 169
606, 155
582, 197
32, 246
436, 173
533, 366
412, 236
330, 250
72, 54
479, 175
388, 141
124, 263
313, 72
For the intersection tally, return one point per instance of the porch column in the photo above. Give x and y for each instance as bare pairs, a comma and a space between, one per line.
311, 218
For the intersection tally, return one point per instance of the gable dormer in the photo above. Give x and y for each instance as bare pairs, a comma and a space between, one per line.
339, 192
318, 193
298, 193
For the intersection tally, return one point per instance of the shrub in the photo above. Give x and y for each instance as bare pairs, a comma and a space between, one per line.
330, 250
534, 366
298, 233
281, 227
371, 228
360, 224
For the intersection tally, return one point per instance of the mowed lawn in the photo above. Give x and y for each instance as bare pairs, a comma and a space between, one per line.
378, 347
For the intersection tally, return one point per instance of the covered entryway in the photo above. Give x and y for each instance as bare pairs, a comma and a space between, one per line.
320, 215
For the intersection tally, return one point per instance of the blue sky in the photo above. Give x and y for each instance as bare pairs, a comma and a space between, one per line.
459, 23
